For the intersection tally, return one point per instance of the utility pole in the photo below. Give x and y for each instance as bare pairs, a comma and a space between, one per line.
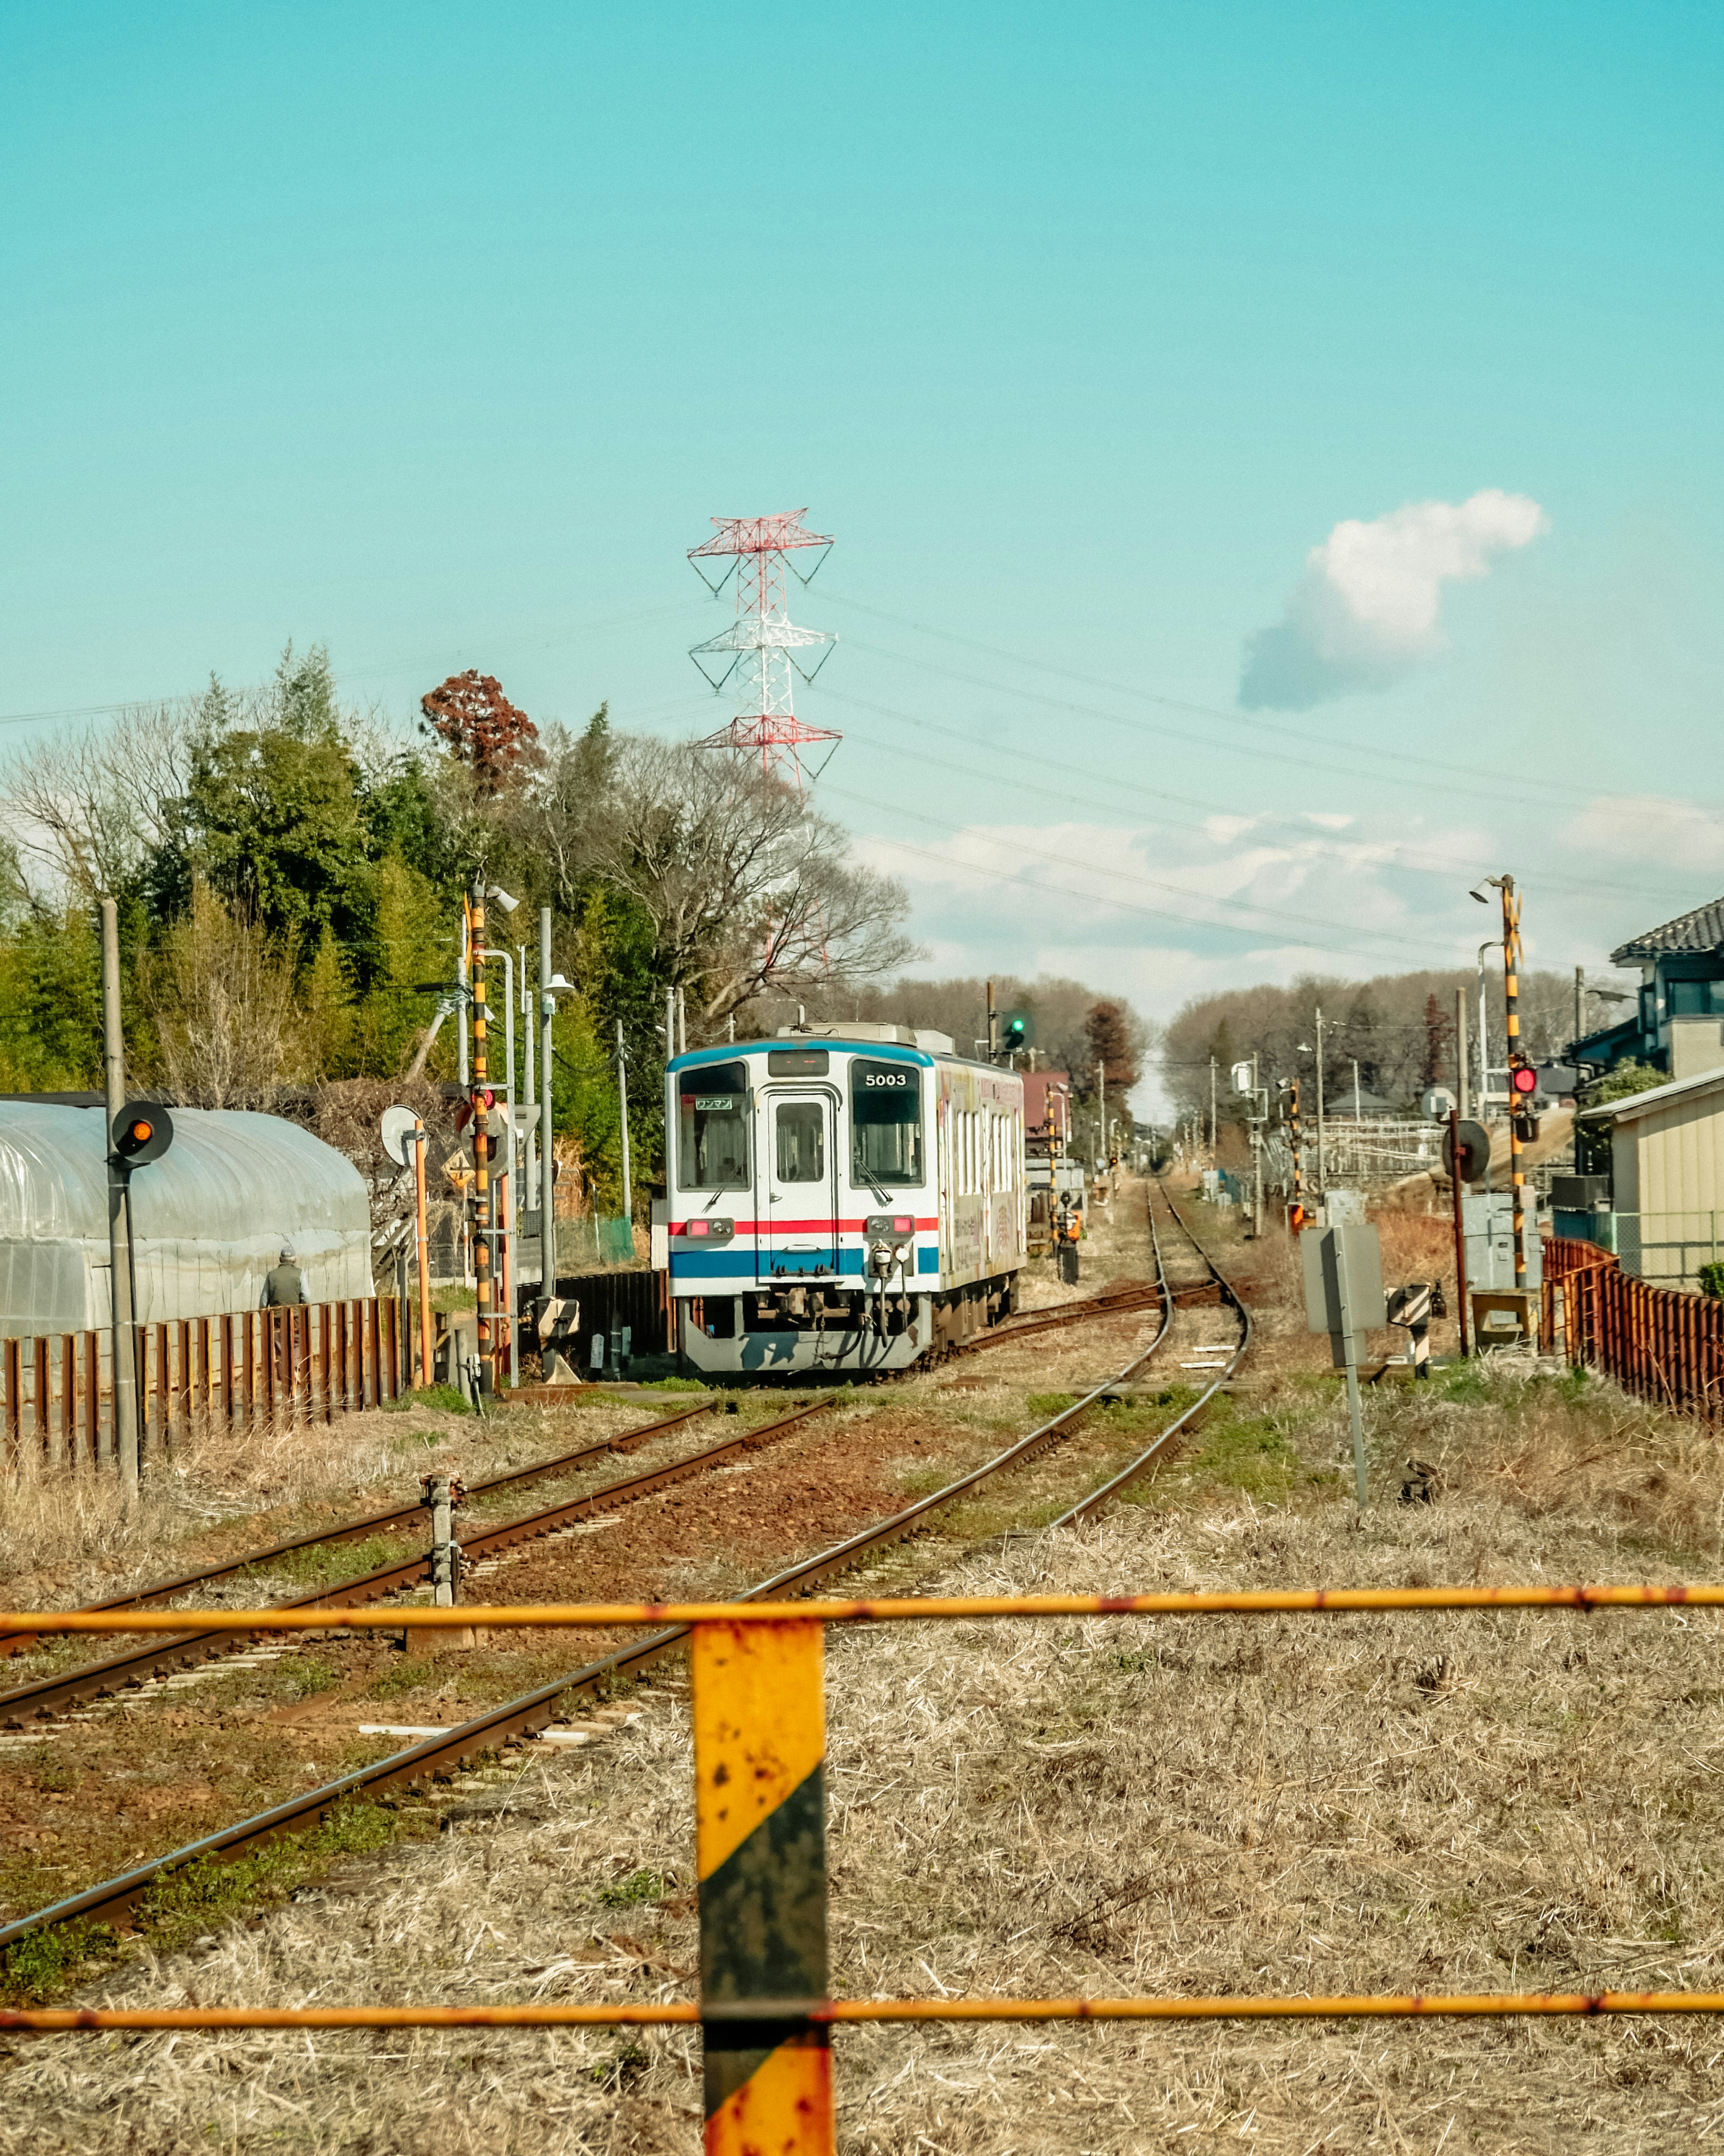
529, 1046
623, 1101
547, 1151
1323, 1156
1298, 1175
682, 1022
125, 1433
1100, 1070
1256, 1153
1212, 1111
1518, 1118
1579, 1002
993, 1037
1461, 1058
484, 1244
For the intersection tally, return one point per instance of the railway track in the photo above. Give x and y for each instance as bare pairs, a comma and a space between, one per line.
56, 1693
442, 1757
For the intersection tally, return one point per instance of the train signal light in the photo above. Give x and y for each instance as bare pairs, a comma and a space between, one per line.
142, 1133
1523, 1080
1017, 1031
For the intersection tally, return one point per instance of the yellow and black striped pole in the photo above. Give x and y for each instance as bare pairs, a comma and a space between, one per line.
1298, 1177
1512, 997
481, 1148
760, 1748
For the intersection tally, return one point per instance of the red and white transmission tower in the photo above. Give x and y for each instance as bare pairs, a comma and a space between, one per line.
763, 642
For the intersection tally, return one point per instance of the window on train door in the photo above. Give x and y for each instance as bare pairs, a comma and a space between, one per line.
712, 1144
799, 1129
886, 1124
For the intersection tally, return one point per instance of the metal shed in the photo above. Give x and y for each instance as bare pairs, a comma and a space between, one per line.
1667, 1177
209, 1218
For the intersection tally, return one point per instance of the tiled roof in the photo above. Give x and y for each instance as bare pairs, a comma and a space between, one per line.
1702, 929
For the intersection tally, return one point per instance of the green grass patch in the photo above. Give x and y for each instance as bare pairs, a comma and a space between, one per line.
325, 1562
638, 1887
680, 1385
182, 1906
439, 1400
411, 1673
1043, 1407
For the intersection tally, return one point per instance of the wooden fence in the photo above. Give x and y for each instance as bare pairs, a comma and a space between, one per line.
310, 1364
1660, 1343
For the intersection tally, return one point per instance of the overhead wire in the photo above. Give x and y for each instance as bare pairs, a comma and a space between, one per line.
1185, 920
1403, 856
1400, 755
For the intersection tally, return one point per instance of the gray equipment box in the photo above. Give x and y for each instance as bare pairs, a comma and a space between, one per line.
1328, 1253
1488, 1224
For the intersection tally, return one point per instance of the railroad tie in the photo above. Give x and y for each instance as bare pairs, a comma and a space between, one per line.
760, 1746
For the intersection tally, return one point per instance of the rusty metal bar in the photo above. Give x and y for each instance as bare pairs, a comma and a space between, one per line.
1318, 1601
833, 2012
93, 1396
41, 1386
13, 1361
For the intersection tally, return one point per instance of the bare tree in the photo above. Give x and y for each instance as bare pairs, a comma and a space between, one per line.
748, 888
220, 1005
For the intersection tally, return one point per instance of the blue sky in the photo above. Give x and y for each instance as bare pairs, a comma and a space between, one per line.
437, 335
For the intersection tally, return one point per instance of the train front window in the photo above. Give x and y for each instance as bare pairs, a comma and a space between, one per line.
886, 1124
801, 1128
712, 1149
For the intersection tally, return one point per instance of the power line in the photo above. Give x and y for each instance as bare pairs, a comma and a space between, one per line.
1242, 719
1426, 864
1087, 898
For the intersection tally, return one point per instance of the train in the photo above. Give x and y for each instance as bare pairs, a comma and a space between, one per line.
844, 1199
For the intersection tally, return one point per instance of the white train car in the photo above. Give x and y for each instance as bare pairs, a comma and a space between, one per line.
846, 1198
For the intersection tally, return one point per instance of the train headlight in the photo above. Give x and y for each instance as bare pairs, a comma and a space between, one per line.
901, 1253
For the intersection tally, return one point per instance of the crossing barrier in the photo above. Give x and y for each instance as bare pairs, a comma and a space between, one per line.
759, 1729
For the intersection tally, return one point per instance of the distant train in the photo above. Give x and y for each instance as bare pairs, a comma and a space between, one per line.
843, 1199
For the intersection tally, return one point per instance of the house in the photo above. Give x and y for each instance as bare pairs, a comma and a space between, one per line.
1667, 1197
1678, 1023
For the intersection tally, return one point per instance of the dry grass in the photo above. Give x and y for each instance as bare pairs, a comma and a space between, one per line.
1449, 1802
69, 1535
1452, 1802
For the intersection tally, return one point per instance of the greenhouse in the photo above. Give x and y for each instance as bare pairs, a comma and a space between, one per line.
209, 1218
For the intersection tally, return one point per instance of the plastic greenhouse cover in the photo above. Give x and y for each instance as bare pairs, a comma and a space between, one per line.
209, 1218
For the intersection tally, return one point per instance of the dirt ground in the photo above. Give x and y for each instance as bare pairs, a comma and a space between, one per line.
1314, 1804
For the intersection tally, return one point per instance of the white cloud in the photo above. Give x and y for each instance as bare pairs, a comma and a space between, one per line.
1367, 610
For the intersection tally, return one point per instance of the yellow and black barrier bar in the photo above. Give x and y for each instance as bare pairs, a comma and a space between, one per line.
760, 1856
760, 1744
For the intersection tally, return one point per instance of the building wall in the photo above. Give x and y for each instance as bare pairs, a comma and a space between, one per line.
1671, 1159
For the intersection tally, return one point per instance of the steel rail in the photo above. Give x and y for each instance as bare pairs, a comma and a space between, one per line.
445, 1755
1116, 1485
1239, 2006
213, 1633
373, 1523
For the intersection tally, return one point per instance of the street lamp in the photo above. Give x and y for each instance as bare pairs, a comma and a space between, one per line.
550, 986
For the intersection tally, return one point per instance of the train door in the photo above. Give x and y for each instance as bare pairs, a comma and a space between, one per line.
799, 1237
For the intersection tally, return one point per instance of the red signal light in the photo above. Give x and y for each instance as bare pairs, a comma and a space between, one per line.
1524, 1078
140, 1133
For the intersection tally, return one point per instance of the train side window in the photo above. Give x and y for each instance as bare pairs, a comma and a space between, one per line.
885, 1123
801, 1128
712, 1147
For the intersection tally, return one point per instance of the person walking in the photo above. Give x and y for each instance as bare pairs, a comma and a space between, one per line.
284, 1292
285, 1286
